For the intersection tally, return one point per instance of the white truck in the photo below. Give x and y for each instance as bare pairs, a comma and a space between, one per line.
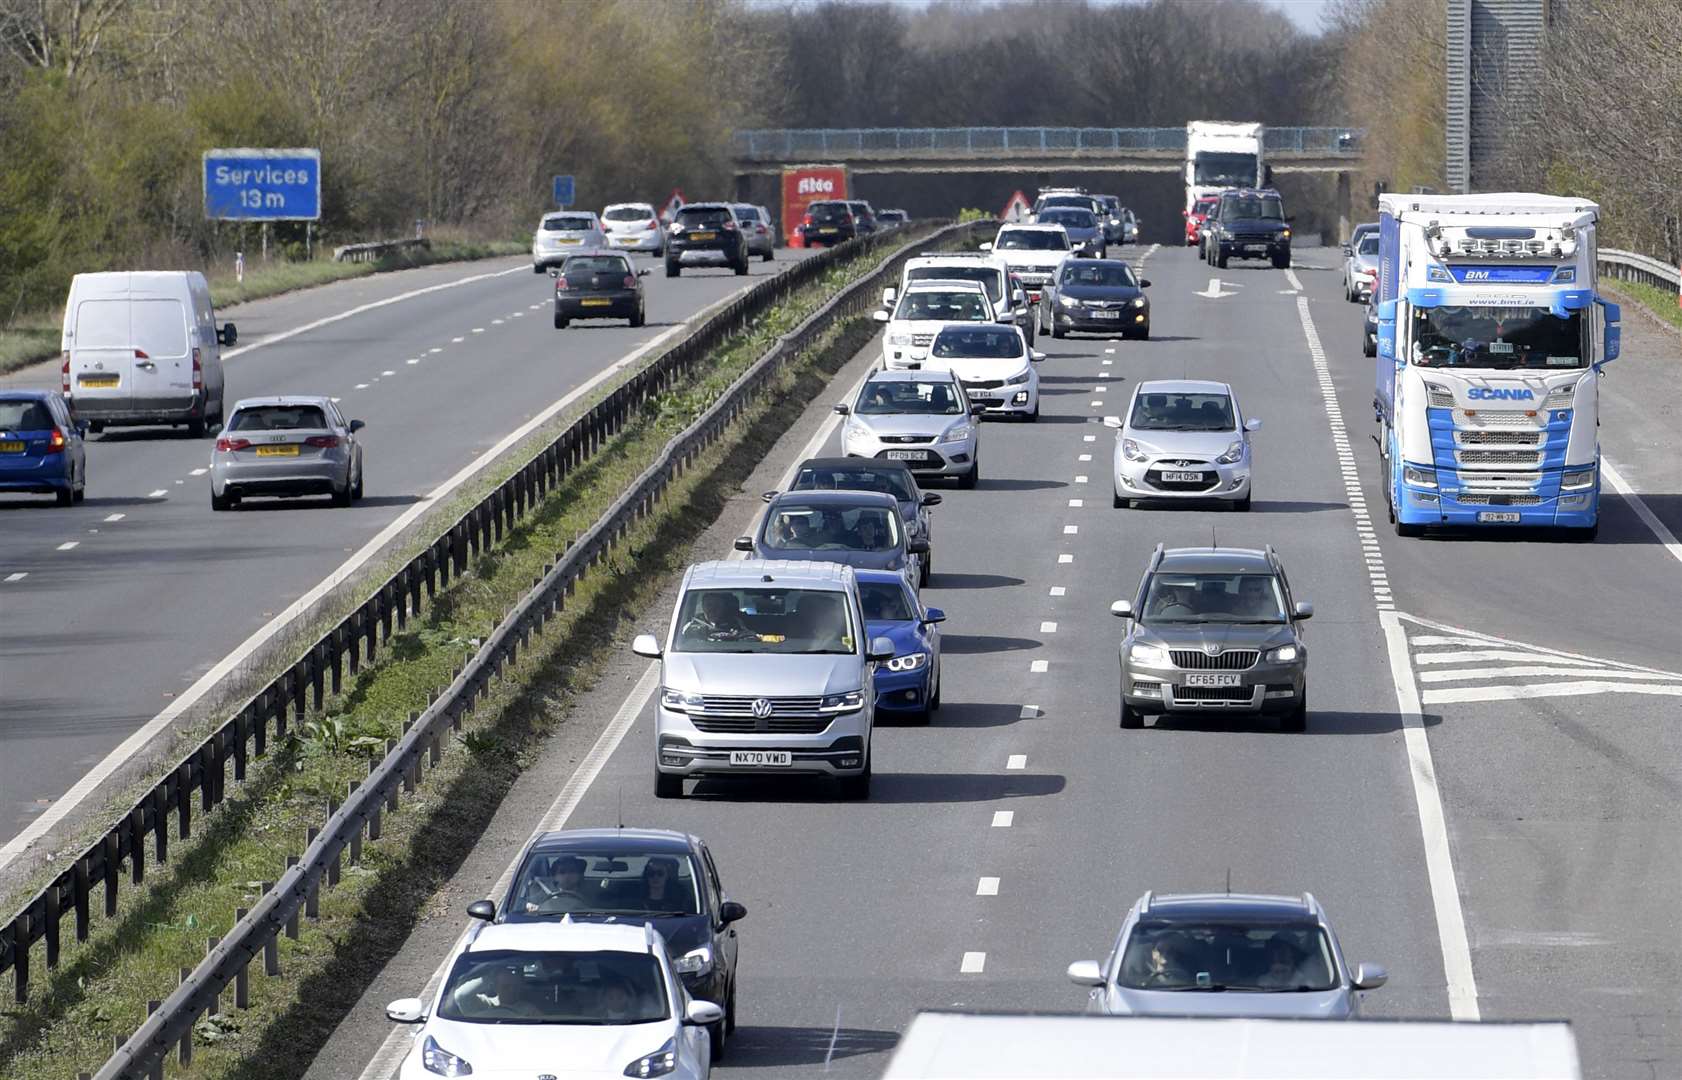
1222, 155
1491, 337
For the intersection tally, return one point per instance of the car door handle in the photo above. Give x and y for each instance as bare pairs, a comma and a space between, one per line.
146, 364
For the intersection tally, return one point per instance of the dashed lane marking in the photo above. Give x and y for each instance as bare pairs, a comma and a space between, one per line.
478, 329
1003, 819
987, 886
1037, 667
18, 576
1089, 438
457, 340
435, 349
158, 494
1080, 479
1029, 712
1016, 762
198, 472
416, 360
115, 517
1070, 530
69, 545
385, 373
1077, 503
1096, 404
1058, 590
360, 386
1085, 457
974, 963
1048, 628
1065, 558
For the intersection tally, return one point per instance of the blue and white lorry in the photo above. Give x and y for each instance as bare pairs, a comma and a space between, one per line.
1490, 340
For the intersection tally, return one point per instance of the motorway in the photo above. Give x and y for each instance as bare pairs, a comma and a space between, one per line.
124, 606
1486, 799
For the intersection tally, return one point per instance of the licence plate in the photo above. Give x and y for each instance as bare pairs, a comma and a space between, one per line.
1499, 517
596, 302
98, 380
1106, 314
1255, 247
289, 450
11, 448
828, 229
626, 239
751, 758
1208, 679
984, 395
703, 236
907, 455
1182, 477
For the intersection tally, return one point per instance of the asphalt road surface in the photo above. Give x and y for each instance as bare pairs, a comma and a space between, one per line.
1485, 800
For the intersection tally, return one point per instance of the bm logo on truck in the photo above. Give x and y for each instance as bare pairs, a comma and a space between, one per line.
1497, 393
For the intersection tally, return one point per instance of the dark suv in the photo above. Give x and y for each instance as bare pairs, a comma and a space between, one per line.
706, 232
1214, 630
829, 222
1248, 223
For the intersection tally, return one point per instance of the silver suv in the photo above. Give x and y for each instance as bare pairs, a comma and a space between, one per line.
1214, 630
766, 670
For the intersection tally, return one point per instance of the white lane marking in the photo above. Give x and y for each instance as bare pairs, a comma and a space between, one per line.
496, 322
1291, 276
1085, 457
534, 307
1076, 503
987, 886
1028, 712
974, 963
1065, 558
457, 340
1016, 761
96, 776
1089, 438
414, 361
1107, 363
273, 339
1048, 628
18, 576
1003, 819
360, 386
69, 545
1108, 351
435, 349
181, 481
1480, 638
1548, 672
1070, 530
115, 517
1513, 671
1100, 388
1036, 667
1214, 291
1097, 403
385, 373
1058, 590
1621, 486
516, 315
198, 472
1545, 690
1485, 654
1080, 479
158, 494
478, 329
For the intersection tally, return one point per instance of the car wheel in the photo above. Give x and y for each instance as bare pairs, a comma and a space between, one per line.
197, 428
770, 255
1369, 347
640, 318
673, 268
1282, 262
857, 788
925, 572
1584, 536
342, 496
742, 265
1131, 718
1057, 331
1120, 503
1220, 260
223, 502
356, 492
65, 497
1242, 506
96, 427
1297, 718
719, 1039
934, 698
667, 786
971, 478
730, 1010
1034, 416
537, 268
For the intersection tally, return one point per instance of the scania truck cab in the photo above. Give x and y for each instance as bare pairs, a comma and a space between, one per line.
1490, 340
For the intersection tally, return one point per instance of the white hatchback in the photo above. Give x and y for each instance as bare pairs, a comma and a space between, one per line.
634, 226
922, 310
586, 999
995, 365
560, 234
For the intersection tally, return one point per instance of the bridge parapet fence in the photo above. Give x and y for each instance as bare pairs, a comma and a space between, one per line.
790, 144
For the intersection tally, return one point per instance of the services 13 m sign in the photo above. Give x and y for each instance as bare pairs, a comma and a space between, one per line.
262, 185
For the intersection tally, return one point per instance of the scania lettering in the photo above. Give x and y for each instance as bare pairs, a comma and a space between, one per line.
1491, 338
1221, 156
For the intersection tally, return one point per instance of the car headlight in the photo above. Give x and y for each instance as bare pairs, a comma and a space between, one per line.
899, 337
1284, 654
852, 701
1139, 301
695, 962
1148, 656
1581, 478
1419, 477
1226, 233
1284, 234
438, 1060
659, 1063
1019, 378
1234, 454
1067, 301
1130, 450
908, 662
679, 701
959, 433
856, 434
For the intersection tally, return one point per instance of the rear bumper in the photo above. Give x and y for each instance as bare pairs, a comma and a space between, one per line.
903, 692
644, 242
40, 475
123, 410
321, 476
620, 305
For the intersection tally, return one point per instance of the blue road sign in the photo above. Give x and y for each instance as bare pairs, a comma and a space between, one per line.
262, 185
564, 191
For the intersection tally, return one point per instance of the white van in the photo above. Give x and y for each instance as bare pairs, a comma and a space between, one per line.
143, 348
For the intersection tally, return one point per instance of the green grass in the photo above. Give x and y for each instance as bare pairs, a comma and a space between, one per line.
1660, 302
101, 988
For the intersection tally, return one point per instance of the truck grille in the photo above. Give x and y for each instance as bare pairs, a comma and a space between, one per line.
1463, 419
1499, 500
1499, 438
1230, 660
1498, 458
1439, 399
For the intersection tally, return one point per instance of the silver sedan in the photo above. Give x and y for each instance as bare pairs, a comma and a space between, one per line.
286, 446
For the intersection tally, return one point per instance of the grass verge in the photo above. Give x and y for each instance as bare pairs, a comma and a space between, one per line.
102, 988
34, 338
1660, 303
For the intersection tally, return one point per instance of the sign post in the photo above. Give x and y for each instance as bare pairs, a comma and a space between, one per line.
564, 191
262, 185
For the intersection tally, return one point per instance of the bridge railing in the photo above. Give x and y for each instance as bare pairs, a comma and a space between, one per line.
791, 144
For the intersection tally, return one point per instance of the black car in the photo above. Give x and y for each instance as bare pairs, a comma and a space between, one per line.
1249, 223
874, 474
706, 232
864, 216
598, 285
828, 222
635, 876
1369, 328
1098, 295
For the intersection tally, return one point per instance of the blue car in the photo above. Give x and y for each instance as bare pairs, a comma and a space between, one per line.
907, 686
41, 445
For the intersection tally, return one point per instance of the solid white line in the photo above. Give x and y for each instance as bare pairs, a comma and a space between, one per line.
1038, 666
115, 517
1016, 761
1468, 655
1058, 590
198, 472
1003, 819
1546, 690
19, 576
1621, 486
68, 545
1482, 638
1531, 670
987, 886
1048, 628
973, 963
158, 494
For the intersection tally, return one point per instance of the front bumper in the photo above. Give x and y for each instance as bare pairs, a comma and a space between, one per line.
1087, 319
1262, 688
1009, 399
621, 304
683, 750
904, 691
1253, 249
954, 458
1576, 509
1143, 480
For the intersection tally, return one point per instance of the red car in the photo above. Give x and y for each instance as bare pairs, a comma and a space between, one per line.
1196, 215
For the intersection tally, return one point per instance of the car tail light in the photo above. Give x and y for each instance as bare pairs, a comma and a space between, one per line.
227, 444
729, 226
55, 442
64, 371
322, 442
630, 281
198, 372
807, 220
561, 284
761, 229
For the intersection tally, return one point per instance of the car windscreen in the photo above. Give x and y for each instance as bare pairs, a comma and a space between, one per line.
1181, 412
1083, 202
895, 482
1069, 218
988, 277
1099, 274
629, 213
828, 213
942, 306
791, 526
981, 343
1032, 240
278, 418
1213, 597
585, 265
628, 880
25, 416
746, 213
1281, 957
574, 223
506, 986
1204, 206
903, 396
885, 602
1369, 244
711, 216
765, 620
1241, 207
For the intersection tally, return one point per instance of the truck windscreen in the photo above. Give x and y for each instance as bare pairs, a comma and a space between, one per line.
1225, 170
1498, 337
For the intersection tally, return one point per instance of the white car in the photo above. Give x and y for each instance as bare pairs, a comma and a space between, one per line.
583, 999
923, 418
995, 364
1183, 439
634, 226
1032, 252
1010, 302
562, 233
921, 311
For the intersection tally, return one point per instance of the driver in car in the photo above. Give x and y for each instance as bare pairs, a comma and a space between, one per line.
718, 620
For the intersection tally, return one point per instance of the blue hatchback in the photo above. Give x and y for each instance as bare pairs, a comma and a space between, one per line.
907, 686
41, 445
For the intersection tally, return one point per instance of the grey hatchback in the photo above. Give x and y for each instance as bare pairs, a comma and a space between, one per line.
286, 446
1226, 955
1214, 630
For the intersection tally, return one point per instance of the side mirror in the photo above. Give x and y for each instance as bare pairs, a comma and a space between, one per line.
554, 271
645, 645
1252, 424
1370, 976
934, 615
406, 1011
644, 272
1303, 611
932, 498
976, 408
985, 246
744, 543
1019, 297
879, 315
880, 649
357, 425
1347, 250
888, 296
917, 546
1086, 973
702, 1013
730, 911
1611, 331
1113, 422
227, 335
483, 910
767, 496
1144, 283
1035, 355
1122, 609
843, 409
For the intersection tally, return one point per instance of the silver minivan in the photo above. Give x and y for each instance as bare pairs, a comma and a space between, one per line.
142, 347
765, 671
